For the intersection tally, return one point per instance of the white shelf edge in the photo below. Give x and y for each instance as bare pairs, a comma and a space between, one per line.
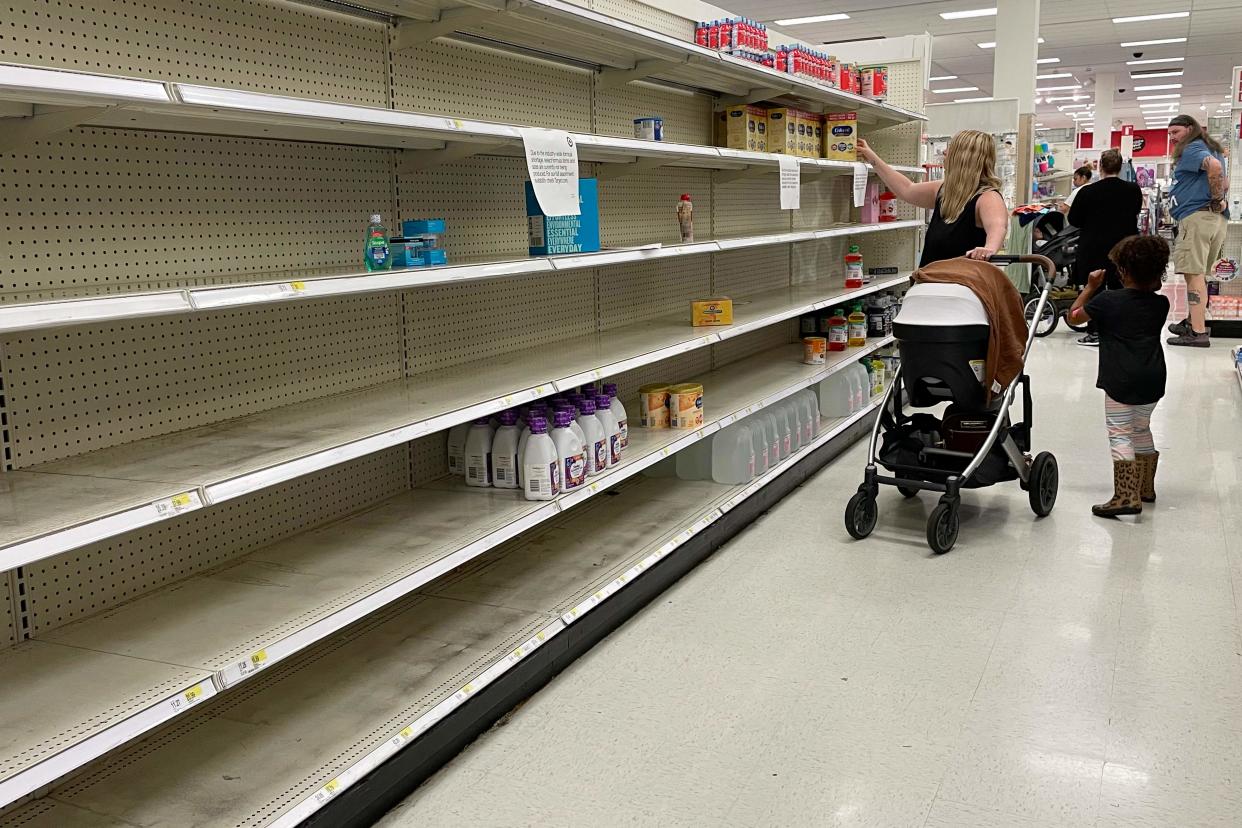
411, 731
40, 315
92, 747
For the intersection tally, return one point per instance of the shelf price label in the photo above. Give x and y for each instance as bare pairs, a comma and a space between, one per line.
175, 505
292, 288
187, 699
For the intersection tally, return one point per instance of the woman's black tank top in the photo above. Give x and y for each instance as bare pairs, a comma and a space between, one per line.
950, 241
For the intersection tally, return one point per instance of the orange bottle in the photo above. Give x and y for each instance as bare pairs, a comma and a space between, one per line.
838, 331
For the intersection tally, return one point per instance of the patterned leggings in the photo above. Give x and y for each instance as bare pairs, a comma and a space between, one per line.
1129, 428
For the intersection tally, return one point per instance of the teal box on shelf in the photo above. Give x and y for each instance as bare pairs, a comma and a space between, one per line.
550, 235
423, 227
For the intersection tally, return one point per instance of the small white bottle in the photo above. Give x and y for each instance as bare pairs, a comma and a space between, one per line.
479, 453
733, 455
572, 408
618, 412
597, 442
457, 448
603, 413
541, 465
570, 451
536, 410
505, 457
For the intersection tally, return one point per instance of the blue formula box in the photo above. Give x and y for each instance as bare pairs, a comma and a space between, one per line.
550, 235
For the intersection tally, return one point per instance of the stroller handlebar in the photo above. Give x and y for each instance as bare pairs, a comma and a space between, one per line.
1013, 258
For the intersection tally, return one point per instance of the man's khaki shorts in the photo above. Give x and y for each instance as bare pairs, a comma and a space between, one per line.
1200, 242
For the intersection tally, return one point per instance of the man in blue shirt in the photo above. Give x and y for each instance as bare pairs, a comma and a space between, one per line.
1197, 201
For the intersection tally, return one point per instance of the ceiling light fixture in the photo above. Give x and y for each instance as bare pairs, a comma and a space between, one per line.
1043, 61
1058, 88
970, 100
1147, 61
1159, 97
1160, 73
1157, 86
992, 44
1142, 17
1054, 75
818, 18
1158, 42
1074, 106
957, 89
943, 77
962, 15
1066, 98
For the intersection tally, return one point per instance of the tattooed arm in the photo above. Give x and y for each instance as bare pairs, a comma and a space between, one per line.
1216, 182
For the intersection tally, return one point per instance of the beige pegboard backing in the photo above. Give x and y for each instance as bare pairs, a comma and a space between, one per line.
748, 207
648, 16
740, 273
98, 577
9, 591
740, 347
687, 115
642, 208
482, 201
446, 326
900, 144
104, 211
428, 458
675, 369
898, 249
636, 293
820, 262
826, 200
467, 82
79, 389
268, 46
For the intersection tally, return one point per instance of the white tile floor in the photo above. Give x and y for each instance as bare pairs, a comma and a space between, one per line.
1065, 672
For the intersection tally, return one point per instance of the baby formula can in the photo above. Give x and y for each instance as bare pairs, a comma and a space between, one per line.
685, 405
814, 350
653, 406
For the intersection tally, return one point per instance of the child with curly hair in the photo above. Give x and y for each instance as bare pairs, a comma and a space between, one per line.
1132, 372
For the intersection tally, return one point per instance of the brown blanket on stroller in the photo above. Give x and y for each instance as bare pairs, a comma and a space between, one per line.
1003, 304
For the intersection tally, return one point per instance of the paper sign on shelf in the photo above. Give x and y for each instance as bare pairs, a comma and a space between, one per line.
552, 163
791, 183
860, 183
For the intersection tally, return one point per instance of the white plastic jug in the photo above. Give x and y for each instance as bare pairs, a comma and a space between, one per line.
596, 440
541, 465
776, 436
612, 431
505, 458
862, 393
733, 455
695, 461
794, 412
760, 443
570, 451
479, 453
808, 404
457, 448
836, 395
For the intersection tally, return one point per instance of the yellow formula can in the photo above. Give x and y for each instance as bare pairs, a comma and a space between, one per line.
685, 405
653, 406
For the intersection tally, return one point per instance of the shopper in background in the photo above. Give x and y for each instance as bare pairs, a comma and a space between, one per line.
1132, 372
1105, 213
1197, 202
1082, 177
969, 215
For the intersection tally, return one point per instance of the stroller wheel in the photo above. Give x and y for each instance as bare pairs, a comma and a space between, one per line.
942, 526
1045, 479
1047, 321
861, 514
907, 492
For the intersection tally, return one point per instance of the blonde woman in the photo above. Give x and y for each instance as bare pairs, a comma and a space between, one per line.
969, 216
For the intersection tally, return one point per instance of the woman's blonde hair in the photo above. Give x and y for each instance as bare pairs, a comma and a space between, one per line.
969, 169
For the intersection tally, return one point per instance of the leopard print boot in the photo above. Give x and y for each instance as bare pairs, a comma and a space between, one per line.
1126, 488
1147, 475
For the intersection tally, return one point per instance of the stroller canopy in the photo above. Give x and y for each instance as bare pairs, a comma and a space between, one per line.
941, 305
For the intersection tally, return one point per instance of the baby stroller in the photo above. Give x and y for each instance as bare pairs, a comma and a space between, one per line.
1060, 245
942, 332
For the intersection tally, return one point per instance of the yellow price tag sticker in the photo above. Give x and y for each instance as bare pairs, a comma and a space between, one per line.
258, 658
332, 786
194, 692
540, 636
468, 689
181, 501
406, 732
298, 285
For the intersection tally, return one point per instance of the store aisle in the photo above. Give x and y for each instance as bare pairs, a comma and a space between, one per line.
1066, 672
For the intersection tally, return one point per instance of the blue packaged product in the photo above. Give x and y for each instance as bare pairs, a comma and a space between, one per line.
422, 227
404, 251
431, 257
551, 235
